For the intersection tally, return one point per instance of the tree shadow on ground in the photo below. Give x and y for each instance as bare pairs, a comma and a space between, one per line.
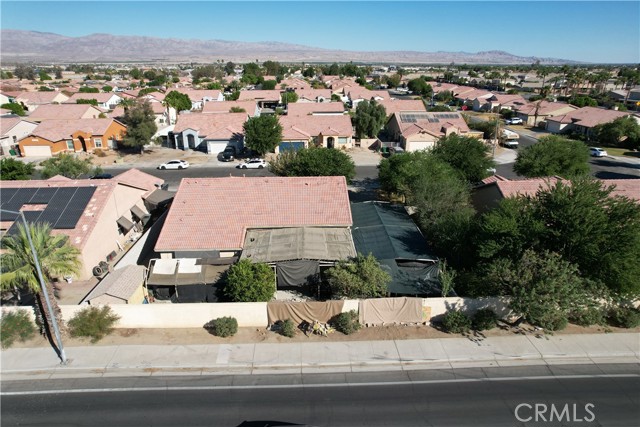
364, 190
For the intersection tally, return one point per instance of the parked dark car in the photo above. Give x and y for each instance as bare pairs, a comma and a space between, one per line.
229, 154
102, 176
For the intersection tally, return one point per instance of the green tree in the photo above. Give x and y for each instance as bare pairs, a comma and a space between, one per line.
141, 125
271, 67
44, 89
420, 87
359, 277
177, 100
15, 108
249, 282
269, 85
66, 165
445, 96
289, 97
263, 133
107, 88
44, 76
56, 256
87, 89
543, 287
135, 73
15, 170
583, 101
58, 72
237, 110
623, 131
229, 68
92, 101
315, 161
553, 155
369, 119
469, 156
394, 80
23, 71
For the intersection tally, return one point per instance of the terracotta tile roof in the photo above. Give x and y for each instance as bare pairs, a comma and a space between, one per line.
63, 112
137, 179
313, 94
444, 87
297, 84
359, 92
57, 130
546, 108
589, 116
526, 187
392, 106
261, 95
199, 94
493, 178
7, 123
435, 128
101, 97
37, 97
225, 106
307, 108
326, 79
157, 107
214, 213
296, 126
473, 94
624, 187
213, 126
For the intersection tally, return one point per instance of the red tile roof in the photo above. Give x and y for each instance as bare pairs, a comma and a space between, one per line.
225, 106
396, 105
313, 94
213, 126
624, 187
57, 130
137, 179
307, 108
261, 95
196, 95
589, 116
545, 108
63, 112
38, 97
214, 213
100, 97
294, 127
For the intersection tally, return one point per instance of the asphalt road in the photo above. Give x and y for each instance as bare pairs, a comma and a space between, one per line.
471, 397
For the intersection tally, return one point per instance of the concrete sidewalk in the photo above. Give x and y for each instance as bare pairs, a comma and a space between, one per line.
320, 357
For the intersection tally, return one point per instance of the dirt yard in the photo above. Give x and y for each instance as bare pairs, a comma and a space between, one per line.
255, 335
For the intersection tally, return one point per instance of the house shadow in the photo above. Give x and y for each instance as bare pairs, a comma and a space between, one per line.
364, 190
615, 164
614, 175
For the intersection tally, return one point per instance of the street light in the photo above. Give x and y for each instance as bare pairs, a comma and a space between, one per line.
54, 321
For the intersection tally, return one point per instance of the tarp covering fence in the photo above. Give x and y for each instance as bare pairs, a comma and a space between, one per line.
303, 311
391, 310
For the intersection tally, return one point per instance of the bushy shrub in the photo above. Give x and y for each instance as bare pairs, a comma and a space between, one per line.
587, 316
484, 319
624, 317
222, 326
93, 322
456, 322
286, 328
16, 325
347, 323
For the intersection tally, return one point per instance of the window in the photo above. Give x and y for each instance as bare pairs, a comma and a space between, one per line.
70, 144
97, 142
342, 140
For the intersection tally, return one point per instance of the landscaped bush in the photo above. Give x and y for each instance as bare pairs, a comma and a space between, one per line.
93, 322
624, 317
222, 326
16, 325
588, 316
484, 319
347, 323
286, 328
456, 322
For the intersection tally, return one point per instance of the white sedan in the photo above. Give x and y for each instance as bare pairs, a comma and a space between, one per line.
253, 164
598, 152
174, 164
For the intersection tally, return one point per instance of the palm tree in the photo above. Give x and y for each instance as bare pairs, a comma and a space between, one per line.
56, 256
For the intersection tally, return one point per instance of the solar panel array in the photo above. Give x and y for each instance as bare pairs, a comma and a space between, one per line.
430, 117
65, 205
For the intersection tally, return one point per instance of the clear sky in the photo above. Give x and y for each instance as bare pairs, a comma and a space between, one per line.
590, 31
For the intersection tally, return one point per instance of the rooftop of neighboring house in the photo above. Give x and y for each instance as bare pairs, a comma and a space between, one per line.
545, 108
35, 98
588, 116
308, 108
226, 106
213, 126
57, 130
392, 106
215, 213
199, 94
343, 83
304, 127
359, 92
297, 84
260, 95
327, 79
435, 124
8, 123
104, 189
157, 96
473, 94
101, 97
64, 112
313, 94
508, 99
443, 87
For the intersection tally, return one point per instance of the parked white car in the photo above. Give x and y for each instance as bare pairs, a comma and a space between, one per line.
514, 121
174, 164
253, 164
597, 152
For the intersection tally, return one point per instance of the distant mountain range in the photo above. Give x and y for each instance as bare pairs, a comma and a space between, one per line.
33, 46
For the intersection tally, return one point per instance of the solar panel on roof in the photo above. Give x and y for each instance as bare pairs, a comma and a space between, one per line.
43, 195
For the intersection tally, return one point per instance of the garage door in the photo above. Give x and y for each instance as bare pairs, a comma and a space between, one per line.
216, 147
291, 146
419, 145
37, 151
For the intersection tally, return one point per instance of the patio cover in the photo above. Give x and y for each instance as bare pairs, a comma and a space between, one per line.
389, 233
158, 198
182, 271
288, 244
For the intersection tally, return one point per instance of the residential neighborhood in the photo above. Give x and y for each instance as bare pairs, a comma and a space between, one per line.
257, 221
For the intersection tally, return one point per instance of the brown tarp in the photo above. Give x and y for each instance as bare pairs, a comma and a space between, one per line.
391, 310
301, 311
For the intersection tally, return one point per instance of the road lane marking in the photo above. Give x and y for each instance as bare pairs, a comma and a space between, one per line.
302, 386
